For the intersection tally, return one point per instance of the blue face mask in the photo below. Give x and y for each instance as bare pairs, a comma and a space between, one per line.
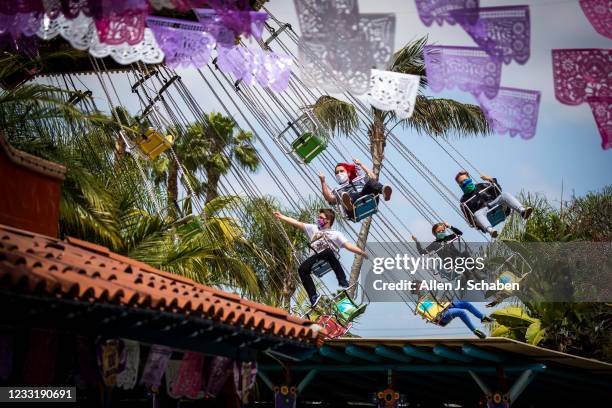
468, 185
441, 235
321, 223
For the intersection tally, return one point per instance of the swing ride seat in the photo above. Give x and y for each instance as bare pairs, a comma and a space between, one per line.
364, 207
308, 146
431, 310
332, 327
321, 268
345, 308
436, 253
504, 277
152, 143
311, 139
513, 270
495, 214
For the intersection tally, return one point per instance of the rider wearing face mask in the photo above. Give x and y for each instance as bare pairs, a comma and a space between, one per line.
440, 231
346, 177
480, 201
325, 242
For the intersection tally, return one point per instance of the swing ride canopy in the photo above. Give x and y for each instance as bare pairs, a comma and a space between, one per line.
442, 370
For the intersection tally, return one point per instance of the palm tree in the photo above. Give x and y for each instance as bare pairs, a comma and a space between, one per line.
225, 149
210, 146
432, 116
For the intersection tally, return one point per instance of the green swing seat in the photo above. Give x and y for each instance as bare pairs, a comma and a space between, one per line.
346, 309
310, 142
308, 146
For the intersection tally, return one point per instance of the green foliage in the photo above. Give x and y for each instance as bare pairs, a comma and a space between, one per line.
573, 271
109, 197
336, 115
515, 323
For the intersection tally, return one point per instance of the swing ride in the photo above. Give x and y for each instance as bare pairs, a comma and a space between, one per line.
167, 103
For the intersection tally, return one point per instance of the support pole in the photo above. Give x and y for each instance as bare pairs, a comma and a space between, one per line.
266, 379
307, 379
485, 389
520, 385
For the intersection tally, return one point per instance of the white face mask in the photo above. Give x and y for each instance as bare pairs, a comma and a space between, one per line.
342, 178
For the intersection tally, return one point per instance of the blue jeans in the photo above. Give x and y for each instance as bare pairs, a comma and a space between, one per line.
458, 309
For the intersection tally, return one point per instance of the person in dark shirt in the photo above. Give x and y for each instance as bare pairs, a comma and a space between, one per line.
477, 200
445, 245
440, 231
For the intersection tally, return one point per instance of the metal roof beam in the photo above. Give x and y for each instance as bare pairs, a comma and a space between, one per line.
402, 367
334, 354
360, 352
519, 386
391, 354
421, 354
476, 352
449, 354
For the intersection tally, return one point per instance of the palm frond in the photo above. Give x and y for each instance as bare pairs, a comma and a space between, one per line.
409, 60
441, 117
335, 115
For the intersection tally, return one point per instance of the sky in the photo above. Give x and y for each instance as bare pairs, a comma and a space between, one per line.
565, 150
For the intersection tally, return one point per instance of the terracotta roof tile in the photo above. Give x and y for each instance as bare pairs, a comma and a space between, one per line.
77, 269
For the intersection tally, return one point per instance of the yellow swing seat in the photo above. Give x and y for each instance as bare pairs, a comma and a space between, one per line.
152, 143
430, 309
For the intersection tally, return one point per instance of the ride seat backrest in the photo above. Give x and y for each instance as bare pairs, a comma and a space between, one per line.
497, 214
321, 268
356, 184
430, 308
152, 143
508, 277
346, 308
308, 146
333, 328
364, 207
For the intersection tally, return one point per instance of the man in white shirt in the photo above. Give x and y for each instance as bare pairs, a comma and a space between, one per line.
323, 241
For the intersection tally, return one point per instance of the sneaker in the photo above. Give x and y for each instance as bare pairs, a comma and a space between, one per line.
343, 285
493, 232
487, 319
386, 191
346, 200
314, 300
479, 334
526, 213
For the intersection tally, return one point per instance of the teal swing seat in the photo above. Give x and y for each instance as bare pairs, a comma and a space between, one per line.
364, 207
345, 308
310, 139
496, 214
